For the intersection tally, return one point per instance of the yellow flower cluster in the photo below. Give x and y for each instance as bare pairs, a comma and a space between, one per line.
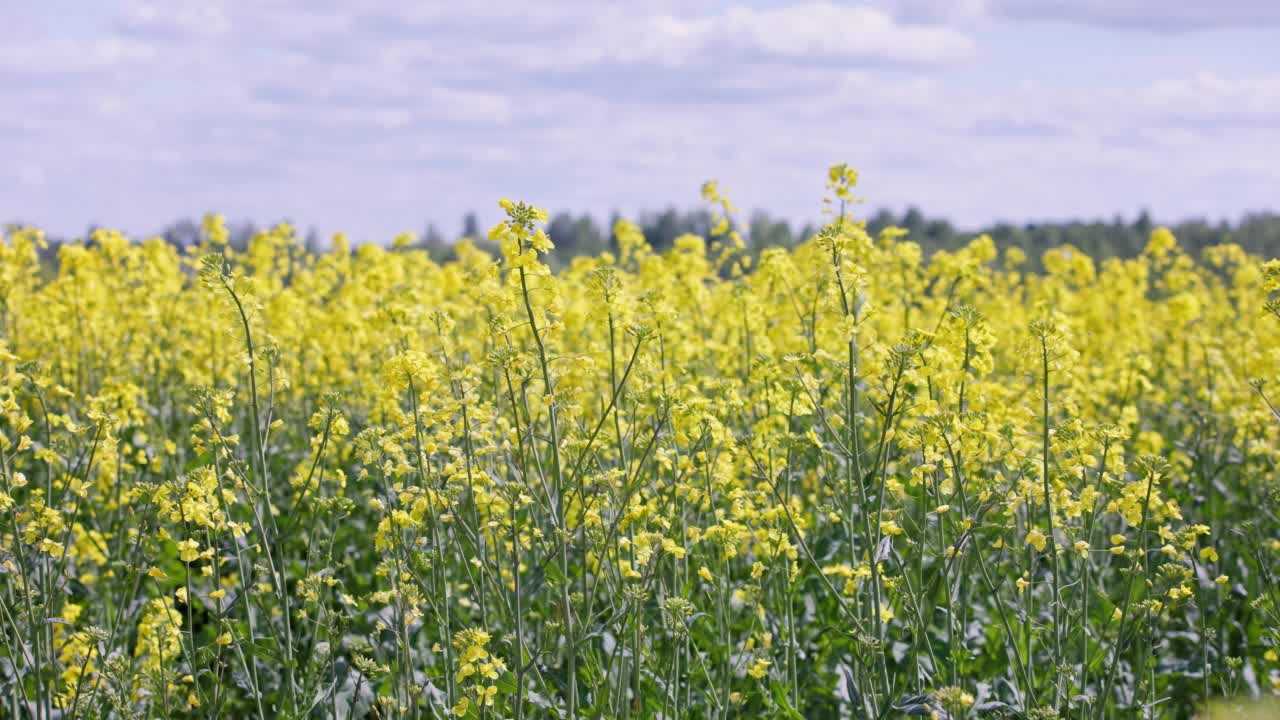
844, 478
478, 671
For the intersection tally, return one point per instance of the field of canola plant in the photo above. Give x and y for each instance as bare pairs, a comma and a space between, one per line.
840, 480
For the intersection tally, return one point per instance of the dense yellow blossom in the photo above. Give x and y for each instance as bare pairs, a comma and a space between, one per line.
844, 478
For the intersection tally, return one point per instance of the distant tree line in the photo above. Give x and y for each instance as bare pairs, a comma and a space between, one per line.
583, 234
575, 235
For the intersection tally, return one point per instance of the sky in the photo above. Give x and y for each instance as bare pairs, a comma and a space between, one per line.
376, 116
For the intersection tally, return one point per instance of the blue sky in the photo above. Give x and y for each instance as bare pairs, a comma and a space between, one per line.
373, 116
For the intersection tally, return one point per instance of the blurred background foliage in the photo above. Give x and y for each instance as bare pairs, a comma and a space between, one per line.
584, 234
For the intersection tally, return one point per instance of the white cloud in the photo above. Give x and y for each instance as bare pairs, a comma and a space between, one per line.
373, 116
58, 58
827, 30
1209, 99
561, 34
1147, 15
177, 18
805, 32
